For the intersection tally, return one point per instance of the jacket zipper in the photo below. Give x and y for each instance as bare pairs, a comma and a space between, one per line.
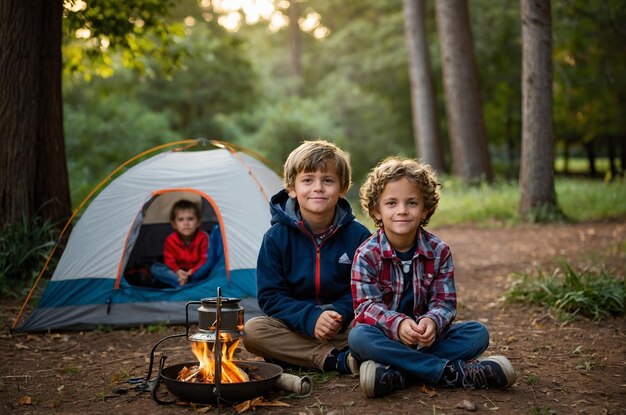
318, 255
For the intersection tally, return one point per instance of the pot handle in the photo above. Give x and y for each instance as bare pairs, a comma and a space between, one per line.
157, 384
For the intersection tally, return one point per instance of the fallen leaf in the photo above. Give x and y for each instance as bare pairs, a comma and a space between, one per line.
20, 346
511, 339
244, 406
428, 391
60, 388
26, 400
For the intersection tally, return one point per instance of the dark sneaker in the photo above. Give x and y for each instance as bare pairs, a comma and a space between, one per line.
379, 380
347, 364
489, 372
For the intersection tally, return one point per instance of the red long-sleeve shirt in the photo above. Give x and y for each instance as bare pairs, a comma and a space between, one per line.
178, 255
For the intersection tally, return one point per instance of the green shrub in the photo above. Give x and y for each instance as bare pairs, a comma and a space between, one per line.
588, 293
24, 248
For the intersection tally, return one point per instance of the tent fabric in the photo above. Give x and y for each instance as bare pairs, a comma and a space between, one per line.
87, 288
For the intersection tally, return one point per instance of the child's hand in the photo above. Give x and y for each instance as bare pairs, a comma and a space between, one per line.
327, 325
408, 332
412, 333
183, 277
427, 330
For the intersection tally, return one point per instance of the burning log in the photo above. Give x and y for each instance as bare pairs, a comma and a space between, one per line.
187, 375
205, 371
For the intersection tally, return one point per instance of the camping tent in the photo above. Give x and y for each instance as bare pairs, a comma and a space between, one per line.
127, 223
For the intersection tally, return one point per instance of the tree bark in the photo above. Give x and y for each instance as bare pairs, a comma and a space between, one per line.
537, 162
33, 171
425, 127
466, 124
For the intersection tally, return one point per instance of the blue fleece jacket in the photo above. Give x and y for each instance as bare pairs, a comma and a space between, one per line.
299, 277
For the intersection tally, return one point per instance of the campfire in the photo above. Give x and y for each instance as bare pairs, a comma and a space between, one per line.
215, 377
205, 370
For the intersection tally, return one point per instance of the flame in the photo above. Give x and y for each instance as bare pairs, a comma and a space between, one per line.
230, 372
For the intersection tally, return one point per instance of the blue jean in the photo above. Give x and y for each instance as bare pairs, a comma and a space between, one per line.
164, 274
461, 341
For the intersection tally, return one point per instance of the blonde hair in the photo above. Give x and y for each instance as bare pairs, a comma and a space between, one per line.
311, 156
393, 168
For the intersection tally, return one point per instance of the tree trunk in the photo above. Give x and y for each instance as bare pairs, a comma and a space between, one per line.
33, 171
425, 128
466, 125
612, 164
622, 156
590, 150
537, 164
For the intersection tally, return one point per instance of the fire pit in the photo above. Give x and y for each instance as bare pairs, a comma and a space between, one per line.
216, 377
266, 376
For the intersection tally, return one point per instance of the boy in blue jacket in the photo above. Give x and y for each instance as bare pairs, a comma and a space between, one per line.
303, 269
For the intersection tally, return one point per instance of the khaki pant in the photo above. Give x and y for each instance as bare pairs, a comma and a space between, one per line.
269, 337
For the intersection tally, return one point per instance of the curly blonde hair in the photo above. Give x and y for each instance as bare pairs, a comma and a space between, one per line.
393, 168
311, 156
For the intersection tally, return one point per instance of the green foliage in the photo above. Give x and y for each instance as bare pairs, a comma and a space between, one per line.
129, 26
214, 79
102, 328
72, 370
541, 410
102, 132
496, 28
109, 119
24, 248
157, 328
588, 62
570, 293
531, 378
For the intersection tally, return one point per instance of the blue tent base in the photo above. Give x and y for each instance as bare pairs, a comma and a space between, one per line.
92, 316
89, 303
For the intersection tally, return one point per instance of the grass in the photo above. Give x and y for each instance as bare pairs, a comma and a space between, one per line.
579, 199
24, 248
531, 378
580, 165
570, 293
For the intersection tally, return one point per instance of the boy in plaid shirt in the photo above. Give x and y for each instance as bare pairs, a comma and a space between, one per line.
405, 297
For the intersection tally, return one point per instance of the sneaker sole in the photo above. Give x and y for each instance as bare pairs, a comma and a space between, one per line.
353, 365
507, 368
367, 372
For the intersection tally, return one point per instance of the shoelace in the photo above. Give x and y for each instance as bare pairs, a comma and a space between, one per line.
474, 376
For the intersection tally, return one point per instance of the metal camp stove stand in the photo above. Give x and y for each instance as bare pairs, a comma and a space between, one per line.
208, 332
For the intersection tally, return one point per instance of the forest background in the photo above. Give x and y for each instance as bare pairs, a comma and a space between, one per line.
351, 84
150, 72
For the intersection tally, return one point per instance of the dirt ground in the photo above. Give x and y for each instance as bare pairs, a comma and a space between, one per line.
573, 368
